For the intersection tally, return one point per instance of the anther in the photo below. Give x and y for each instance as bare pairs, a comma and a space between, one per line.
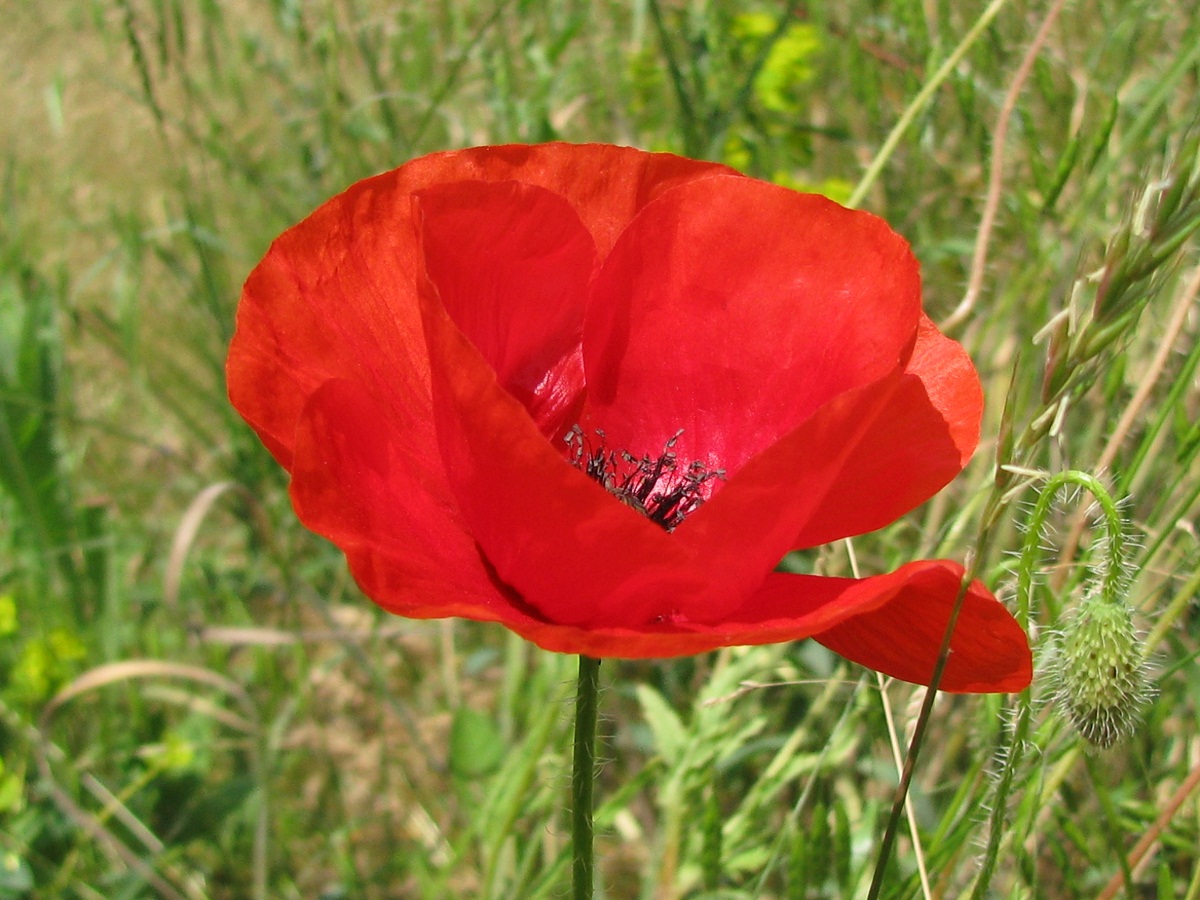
654, 486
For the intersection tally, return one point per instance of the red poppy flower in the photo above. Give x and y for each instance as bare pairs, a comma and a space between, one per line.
597, 394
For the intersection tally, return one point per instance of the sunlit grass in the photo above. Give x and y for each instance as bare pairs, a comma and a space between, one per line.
239, 722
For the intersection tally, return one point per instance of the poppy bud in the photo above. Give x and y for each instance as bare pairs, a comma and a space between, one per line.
1100, 671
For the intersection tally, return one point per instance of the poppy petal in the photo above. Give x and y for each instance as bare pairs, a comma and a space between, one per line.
698, 323
753, 520
335, 296
988, 651
789, 607
511, 264
556, 537
891, 622
357, 483
329, 301
912, 449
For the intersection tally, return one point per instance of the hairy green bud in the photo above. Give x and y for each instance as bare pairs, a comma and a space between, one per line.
1100, 671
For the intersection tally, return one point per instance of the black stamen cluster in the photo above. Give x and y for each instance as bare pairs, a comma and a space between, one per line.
654, 486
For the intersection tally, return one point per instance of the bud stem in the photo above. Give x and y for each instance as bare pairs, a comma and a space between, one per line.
1109, 594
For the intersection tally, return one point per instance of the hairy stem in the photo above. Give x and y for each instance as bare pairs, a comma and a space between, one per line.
583, 778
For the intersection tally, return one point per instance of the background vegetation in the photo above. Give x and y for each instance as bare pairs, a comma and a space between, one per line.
196, 702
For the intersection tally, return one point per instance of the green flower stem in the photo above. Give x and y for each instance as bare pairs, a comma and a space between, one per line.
583, 778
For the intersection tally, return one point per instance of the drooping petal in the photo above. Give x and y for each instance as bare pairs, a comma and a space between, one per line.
988, 651
733, 309
854, 617
564, 544
789, 607
511, 264
335, 296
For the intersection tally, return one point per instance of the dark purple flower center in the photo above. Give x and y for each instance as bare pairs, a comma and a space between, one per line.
657, 487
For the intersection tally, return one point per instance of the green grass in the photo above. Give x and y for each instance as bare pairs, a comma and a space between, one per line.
196, 702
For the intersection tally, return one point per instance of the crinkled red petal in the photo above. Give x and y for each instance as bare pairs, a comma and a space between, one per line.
565, 545
856, 618
913, 447
511, 264
753, 520
335, 296
734, 309
357, 482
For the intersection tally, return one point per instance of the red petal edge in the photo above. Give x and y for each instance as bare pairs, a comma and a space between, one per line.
335, 296
911, 451
989, 653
